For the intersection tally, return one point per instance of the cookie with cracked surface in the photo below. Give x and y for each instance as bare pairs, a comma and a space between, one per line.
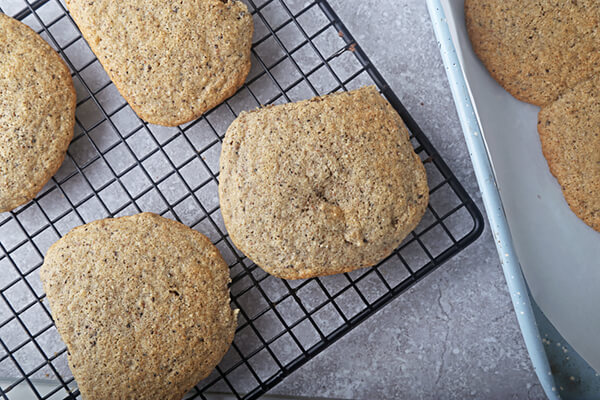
536, 49
322, 186
37, 112
569, 131
172, 61
143, 305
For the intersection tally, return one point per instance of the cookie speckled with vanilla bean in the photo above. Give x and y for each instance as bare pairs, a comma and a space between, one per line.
536, 49
143, 305
548, 53
570, 134
171, 60
37, 113
322, 186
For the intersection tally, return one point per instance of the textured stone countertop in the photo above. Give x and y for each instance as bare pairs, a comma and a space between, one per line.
458, 336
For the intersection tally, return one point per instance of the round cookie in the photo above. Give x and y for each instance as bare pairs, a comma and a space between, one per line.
569, 131
536, 49
171, 60
322, 186
143, 305
37, 113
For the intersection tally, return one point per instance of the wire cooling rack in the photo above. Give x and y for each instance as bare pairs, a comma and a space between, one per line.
118, 165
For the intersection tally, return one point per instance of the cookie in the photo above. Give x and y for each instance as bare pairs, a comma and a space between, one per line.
536, 49
171, 61
37, 113
143, 305
322, 186
569, 130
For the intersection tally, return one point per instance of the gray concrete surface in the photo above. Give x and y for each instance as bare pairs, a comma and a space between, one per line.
458, 337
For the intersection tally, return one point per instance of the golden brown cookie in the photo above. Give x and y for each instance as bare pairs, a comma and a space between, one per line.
322, 186
570, 134
37, 113
143, 305
536, 49
172, 61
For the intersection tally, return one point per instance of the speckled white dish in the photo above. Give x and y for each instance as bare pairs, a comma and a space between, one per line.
558, 253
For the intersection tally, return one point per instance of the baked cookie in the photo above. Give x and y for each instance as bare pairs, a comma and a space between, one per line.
569, 131
320, 187
536, 49
171, 61
37, 112
143, 305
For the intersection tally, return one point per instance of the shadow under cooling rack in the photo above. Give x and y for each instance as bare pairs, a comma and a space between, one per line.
119, 165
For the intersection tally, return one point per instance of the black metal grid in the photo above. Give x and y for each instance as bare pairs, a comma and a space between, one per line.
300, 49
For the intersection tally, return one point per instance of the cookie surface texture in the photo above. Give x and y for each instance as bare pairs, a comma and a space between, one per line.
37, 113
172, 61
570, 134
142, 304
322, 186
536, 49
